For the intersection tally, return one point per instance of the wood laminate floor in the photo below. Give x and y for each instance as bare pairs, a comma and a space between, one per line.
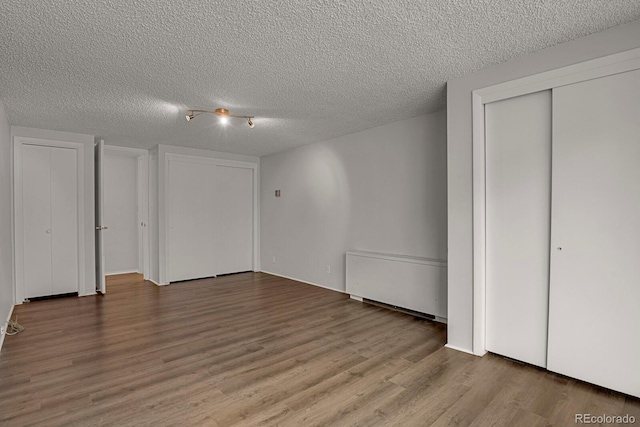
253, 349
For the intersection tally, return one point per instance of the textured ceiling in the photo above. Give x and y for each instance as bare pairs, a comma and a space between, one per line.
309, 71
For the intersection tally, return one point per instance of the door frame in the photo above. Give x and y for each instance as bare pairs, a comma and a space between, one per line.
18, 143
142, 190
601, 67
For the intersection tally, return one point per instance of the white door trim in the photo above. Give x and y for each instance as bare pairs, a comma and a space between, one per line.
18, 143
142, 171
588, 70
124, 151
164, 273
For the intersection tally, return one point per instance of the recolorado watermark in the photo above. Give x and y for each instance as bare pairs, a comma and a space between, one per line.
604, 419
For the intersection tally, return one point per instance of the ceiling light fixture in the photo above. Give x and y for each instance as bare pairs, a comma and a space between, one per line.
222, 112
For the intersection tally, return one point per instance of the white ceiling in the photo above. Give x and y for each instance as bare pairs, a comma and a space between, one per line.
309, 71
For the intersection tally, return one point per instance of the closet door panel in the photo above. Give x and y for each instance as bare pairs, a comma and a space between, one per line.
594, 318
191, 218
234, 219
518, 210
36, 211
64, 220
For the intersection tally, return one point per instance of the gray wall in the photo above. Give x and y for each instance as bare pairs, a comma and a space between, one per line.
459, 157
383, 190
6, 258
120, 213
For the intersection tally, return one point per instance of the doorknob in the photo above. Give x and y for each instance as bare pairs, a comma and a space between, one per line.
48, 231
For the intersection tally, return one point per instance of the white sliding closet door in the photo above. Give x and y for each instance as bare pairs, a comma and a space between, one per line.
210, 219
234, 219
191, 218
518, 199
594, 315
50, 220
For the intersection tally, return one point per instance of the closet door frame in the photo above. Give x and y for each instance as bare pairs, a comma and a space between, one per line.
588, 70
18, 143
142, 189
168, 157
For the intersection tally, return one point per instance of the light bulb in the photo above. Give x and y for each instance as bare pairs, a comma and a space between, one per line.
223, 120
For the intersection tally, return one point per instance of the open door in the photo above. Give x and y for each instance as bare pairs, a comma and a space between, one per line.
101, 285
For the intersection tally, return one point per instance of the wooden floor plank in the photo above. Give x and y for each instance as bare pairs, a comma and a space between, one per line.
254, 349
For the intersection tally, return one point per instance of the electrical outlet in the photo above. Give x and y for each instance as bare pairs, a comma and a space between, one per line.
328, 269
273, 260
2, 330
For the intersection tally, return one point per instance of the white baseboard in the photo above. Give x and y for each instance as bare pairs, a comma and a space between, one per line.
113, 273
5, 325
464, 350
302, 281
357, 298
156, 283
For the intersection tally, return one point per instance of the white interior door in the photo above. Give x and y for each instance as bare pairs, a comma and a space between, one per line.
36, 208
594, 319
143, 214
234, 219
191, 220
518, 199
101, 283
64, 220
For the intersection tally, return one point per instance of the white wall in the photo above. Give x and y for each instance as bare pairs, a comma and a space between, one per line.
459, 157
120, 213
157, 214
87, 287
382, 190
6, 252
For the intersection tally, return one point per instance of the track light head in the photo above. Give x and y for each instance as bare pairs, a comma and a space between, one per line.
224, 114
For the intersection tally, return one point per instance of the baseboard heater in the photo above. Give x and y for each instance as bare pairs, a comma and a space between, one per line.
404, 282
400, 309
